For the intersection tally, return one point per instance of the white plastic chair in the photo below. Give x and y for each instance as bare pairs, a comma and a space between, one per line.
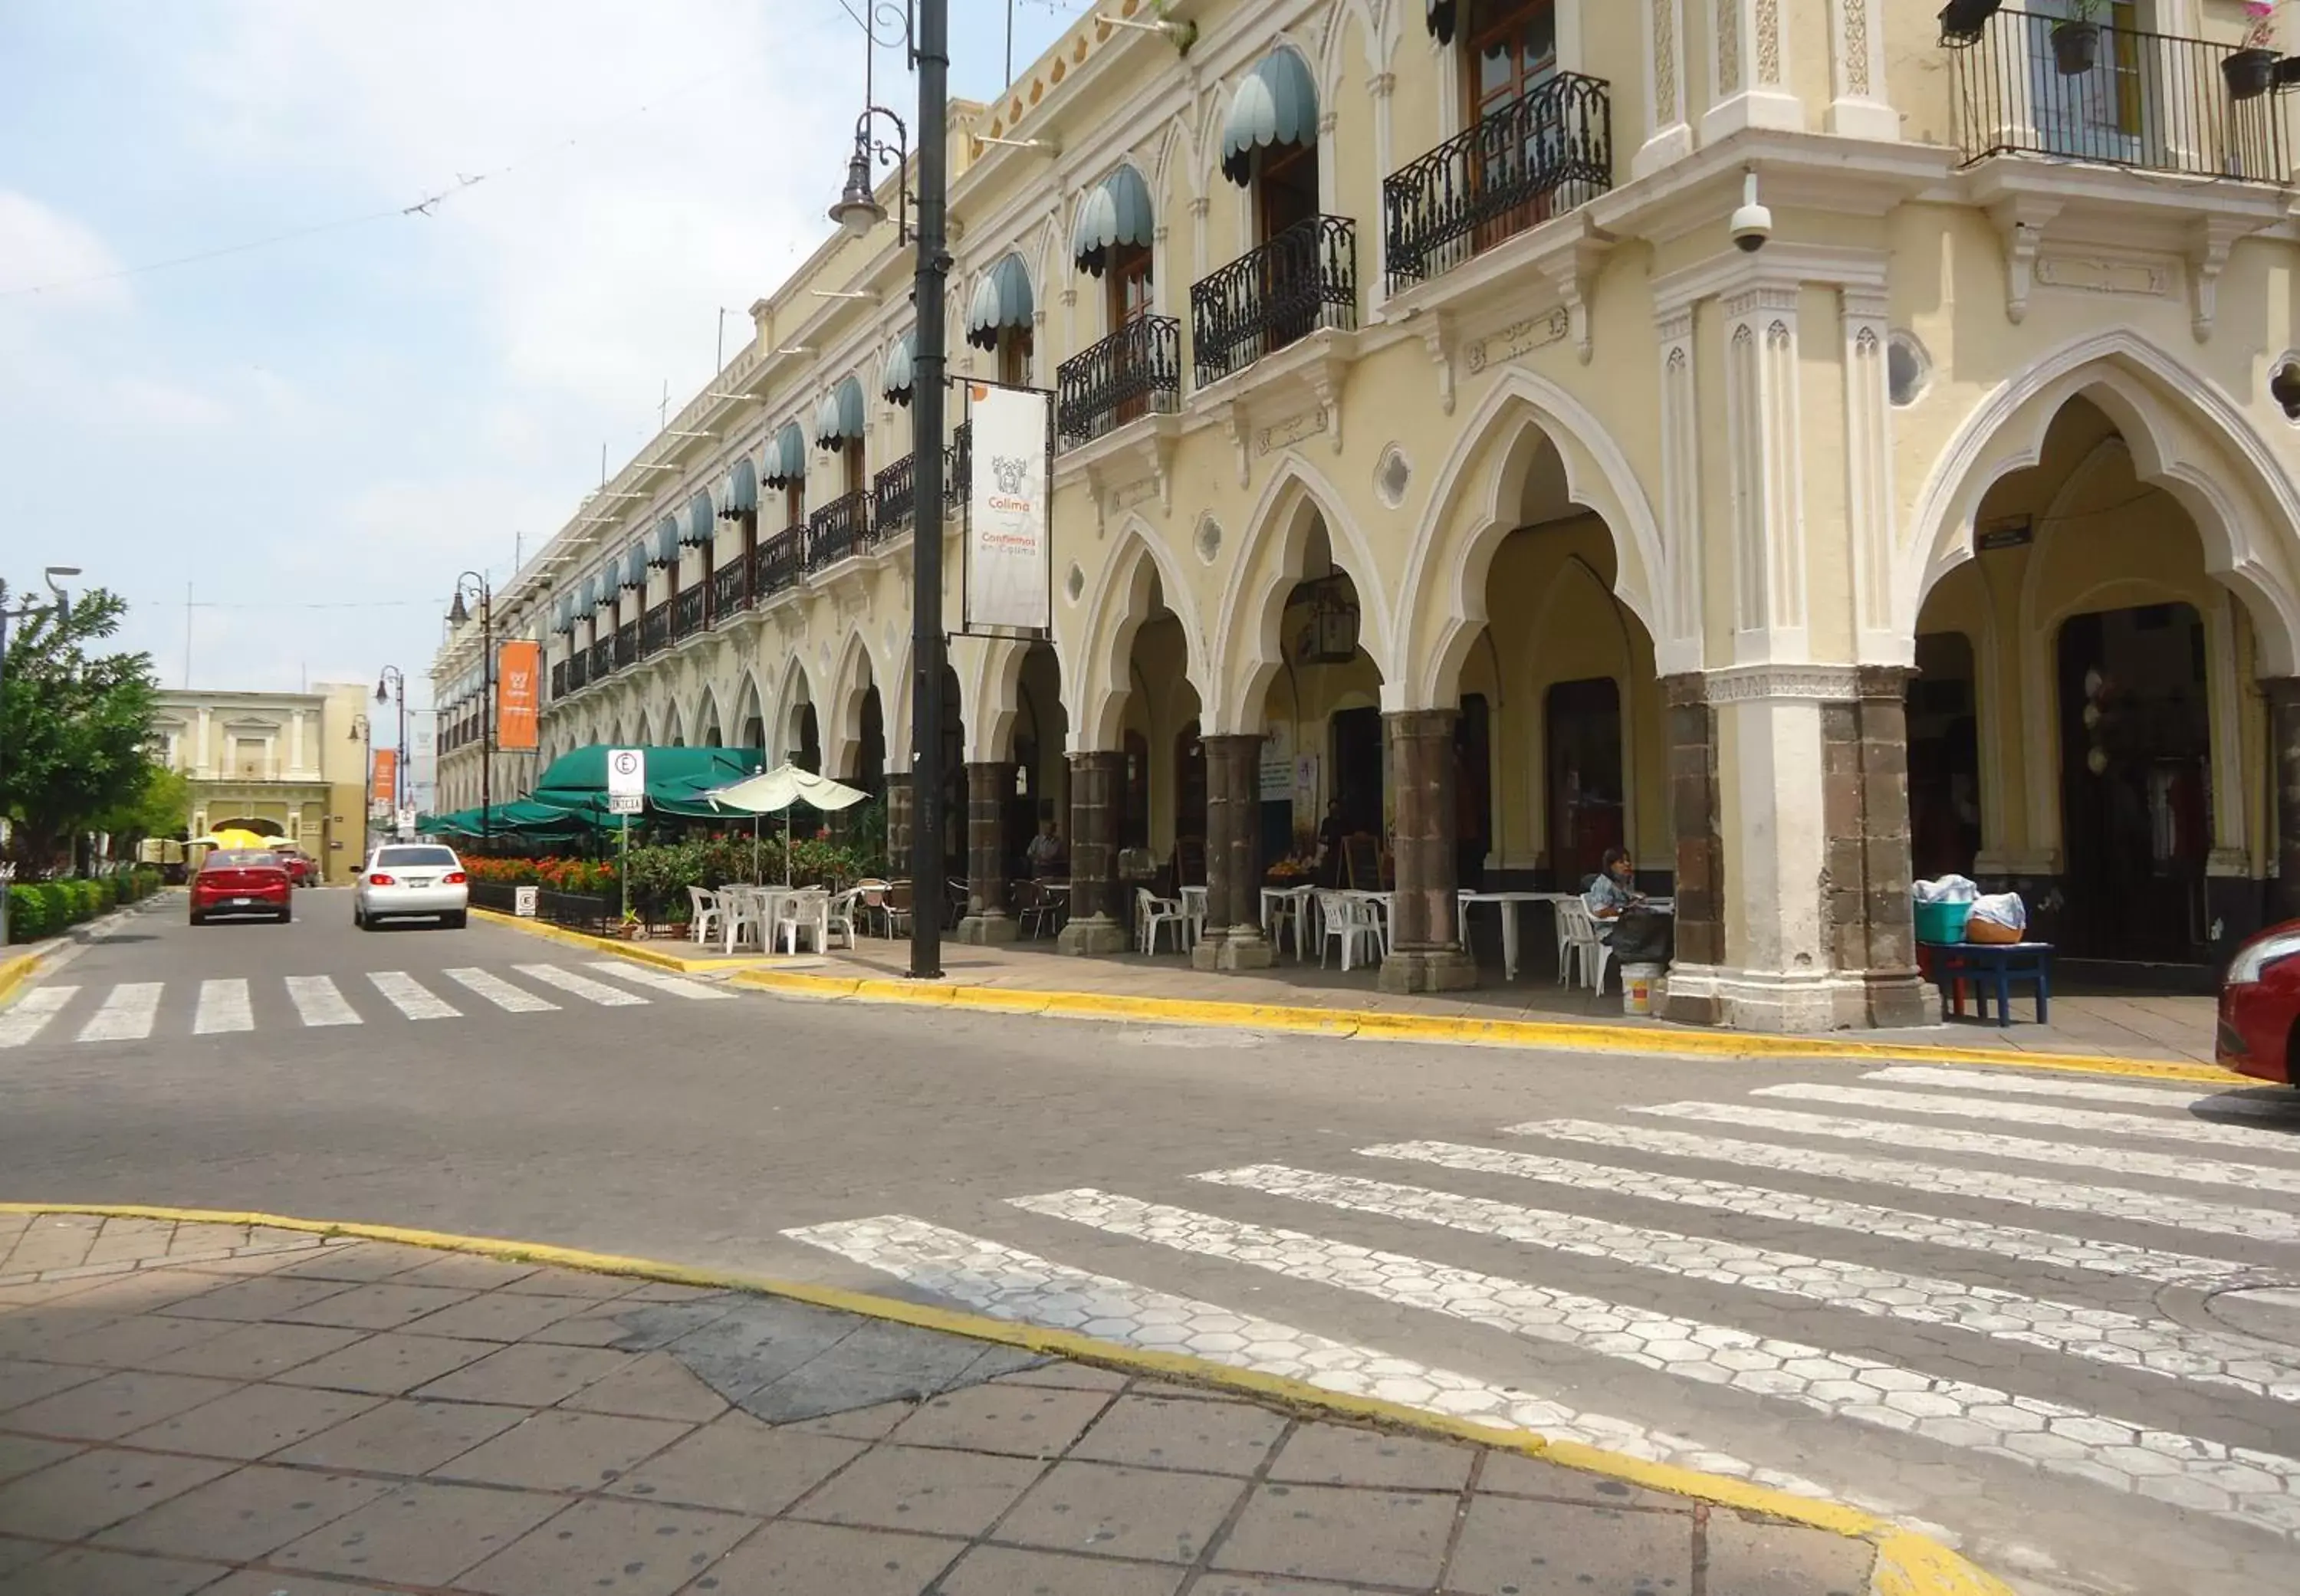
798, 911
707, 918
1349, 921
838, 917
1194, 915
741, 911
1591, 951
1150, 912
1282, 913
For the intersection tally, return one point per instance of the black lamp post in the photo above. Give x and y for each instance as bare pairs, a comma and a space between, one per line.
926, 35
396, 680
460, 616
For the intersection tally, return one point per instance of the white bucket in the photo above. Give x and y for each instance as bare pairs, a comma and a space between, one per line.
1638, 986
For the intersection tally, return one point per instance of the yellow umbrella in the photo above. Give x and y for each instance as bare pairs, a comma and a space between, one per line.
232, 837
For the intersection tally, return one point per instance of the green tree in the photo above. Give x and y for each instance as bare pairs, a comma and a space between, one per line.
75, 726
161, 807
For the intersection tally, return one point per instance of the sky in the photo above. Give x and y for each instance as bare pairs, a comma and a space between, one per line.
312, 434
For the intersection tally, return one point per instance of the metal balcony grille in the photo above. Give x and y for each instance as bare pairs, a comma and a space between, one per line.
2148, 100
1304, 278
559, 679
958, 464
1521, 164
777, 562
894, 494
654, 630
603, 659
686, 613
838, 531
1132, 372
627, 644
729, 592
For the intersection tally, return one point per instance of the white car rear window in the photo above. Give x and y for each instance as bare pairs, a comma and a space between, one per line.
415, 856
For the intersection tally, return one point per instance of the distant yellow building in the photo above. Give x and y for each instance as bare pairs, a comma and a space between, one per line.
292, 765
1800, 445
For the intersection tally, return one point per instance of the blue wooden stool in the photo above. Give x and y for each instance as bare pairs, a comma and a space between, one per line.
1996, 968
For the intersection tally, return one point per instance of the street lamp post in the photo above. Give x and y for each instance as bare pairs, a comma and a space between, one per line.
926, 31
459, 616
25, 612
395, 679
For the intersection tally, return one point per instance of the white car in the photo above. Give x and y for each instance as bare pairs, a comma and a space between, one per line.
410, 880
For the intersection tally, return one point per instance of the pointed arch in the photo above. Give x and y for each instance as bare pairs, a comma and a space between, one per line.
1094, 683
1248, 651
838, 719
794, 693
1472, 506
2188, 436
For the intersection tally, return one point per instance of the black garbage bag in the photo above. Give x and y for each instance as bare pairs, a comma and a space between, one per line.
1644, 936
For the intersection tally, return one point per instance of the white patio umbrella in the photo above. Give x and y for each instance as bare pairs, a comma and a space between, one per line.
782, 789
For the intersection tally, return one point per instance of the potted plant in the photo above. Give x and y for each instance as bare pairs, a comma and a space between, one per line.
2076, 40
2251, 68
1961, 21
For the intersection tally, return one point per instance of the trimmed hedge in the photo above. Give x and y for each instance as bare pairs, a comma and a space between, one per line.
38, 909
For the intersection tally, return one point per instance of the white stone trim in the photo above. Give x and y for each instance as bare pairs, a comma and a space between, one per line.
1669, 137
1749, 70
1857, 105
1869, 468
1680, 648
1750, 684
1765, 449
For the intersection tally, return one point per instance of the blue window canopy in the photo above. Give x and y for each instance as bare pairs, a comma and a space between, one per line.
739, 497
589, 593
840, 419
1440, 15
698, 529
1002, 299
785, 457
896, 381
1117, 211
1276, 103
635, 566
665, 551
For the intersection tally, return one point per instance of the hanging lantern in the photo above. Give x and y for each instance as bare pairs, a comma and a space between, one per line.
1331, 638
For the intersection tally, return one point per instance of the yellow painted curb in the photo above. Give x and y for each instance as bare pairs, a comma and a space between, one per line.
1907, 1563
1375, 1025
15, 971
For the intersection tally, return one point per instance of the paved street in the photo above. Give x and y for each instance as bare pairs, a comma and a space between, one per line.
2052, 1314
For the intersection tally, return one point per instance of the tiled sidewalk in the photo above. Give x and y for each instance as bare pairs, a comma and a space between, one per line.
207, 1408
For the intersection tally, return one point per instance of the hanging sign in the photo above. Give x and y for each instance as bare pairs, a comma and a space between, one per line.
385, 785
518, 698
1010, 503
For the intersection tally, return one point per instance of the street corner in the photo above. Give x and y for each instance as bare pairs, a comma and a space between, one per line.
219, 1393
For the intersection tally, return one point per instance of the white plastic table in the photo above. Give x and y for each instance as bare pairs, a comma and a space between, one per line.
1508, 905
1302, 897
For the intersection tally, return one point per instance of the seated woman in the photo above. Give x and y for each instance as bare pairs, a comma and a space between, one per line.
1613, 891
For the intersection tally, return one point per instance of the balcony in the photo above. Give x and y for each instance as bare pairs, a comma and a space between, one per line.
626, 644
1537, 158
2147, 100
1277, 294
839, 530
729, 592
654, 630
1129, 374
603, 659
894, 497
776, 563
579, 670
686, 613
958, 464
558, 679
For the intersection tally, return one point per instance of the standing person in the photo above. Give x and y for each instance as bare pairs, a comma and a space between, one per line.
1331, 834
1045, 850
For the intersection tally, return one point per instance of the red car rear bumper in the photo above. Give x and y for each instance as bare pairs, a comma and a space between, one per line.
2254, 1033
228, 899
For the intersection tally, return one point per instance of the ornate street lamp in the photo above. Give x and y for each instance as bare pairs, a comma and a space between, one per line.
459, 615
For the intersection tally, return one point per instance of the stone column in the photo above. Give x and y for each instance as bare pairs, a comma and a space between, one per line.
988, 784
1098, 919
1690, 728
1426, 952
1865, 747
1233, 938
898, 825
2284, 736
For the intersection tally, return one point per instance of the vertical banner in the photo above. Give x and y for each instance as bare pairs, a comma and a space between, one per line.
1009, 541
385, 788
517, 697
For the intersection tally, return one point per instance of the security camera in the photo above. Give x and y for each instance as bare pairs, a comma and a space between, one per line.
1752, 224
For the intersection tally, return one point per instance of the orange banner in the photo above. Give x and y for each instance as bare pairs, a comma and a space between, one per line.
519, 696
386, 789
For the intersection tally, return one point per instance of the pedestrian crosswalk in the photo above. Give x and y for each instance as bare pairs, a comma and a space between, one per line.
1943, 1294
137, 1010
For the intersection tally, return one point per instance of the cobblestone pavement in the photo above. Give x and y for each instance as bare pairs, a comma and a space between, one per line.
202, 1407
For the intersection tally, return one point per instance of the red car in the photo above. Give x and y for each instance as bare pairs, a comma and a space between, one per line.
301, 867
2260, 1007
241, 881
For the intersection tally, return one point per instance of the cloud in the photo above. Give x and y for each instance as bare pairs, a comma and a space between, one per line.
43, 246
153, 401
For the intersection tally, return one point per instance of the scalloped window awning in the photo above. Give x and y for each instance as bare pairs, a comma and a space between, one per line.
1002, 299
738, 495
1276, 103
1118, 211
896, 379
785, 457
841, 419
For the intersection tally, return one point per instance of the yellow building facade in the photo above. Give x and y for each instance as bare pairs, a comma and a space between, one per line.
1801, 444
290, 765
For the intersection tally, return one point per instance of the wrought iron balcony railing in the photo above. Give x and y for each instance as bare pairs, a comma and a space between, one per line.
687, 611
603, 659
839, 530
1132, 372
1524, 163
558, 679
894, 497
654, 630
626, 644
958, 464
776, 563
729, 591
1276, 293
2025, 84
579, 670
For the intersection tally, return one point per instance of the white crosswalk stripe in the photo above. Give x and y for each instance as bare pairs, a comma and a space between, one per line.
1998, 1110
581, 986
318, 1002
224, 1007
1945, 1180
32, 1013
2121, 1160
410, 997
502, 993
1861, 1218
659, 981
2247, 1485
2158, 1346
2036, 1084
127, 1015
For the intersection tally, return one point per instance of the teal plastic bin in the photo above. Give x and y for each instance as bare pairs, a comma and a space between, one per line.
1942, 924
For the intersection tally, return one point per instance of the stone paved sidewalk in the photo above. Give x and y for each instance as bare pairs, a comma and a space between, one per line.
196, 1408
